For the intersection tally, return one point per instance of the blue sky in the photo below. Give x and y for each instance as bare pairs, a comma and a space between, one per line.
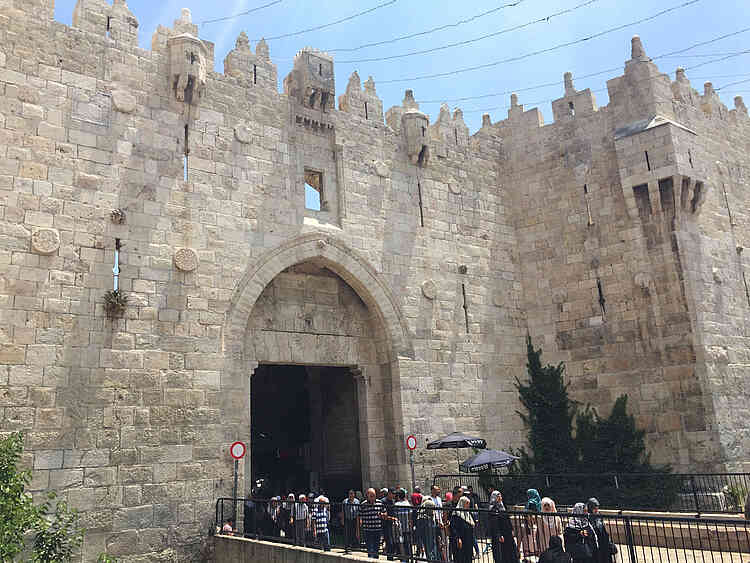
700, 21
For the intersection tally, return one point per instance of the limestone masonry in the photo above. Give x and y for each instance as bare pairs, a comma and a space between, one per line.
614, 236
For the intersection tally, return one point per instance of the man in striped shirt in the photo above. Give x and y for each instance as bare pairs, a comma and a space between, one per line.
320, 518
301, 520
371, 516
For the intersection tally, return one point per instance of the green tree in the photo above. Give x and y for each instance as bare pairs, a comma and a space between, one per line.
549, 417
58, 534
18, 515
613, 444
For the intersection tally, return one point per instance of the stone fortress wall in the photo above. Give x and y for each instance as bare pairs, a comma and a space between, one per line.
613, 236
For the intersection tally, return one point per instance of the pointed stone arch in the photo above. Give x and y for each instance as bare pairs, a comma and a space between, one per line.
240, 360
337, 257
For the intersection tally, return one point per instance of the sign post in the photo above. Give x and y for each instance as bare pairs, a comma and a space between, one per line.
237, 451
411, 443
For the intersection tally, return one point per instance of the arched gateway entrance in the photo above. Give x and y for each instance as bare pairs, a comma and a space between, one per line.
316, 336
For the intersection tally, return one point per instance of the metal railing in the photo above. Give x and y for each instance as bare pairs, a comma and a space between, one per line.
409, 533
671, 492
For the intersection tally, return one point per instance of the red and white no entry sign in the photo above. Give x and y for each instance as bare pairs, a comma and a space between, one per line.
411, 443
237, 450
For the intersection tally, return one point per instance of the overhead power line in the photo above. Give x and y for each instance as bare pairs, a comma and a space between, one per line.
733, 84
547, 50
544, 19
598, 90
330, 24
425, 32
606, 70
240, 14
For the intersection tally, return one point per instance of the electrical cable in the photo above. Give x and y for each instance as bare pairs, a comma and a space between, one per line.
600, 72
425, 32
246, 12
543, 51
733, 84
330, 24
598, 90
544, 19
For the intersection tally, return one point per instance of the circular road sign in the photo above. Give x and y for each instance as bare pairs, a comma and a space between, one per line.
237, 450
411, 443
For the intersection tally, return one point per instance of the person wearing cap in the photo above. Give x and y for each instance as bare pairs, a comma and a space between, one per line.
350, 520
403, 525
301, 518
416, 502
388, 528
286, 516
320, 518
606, 549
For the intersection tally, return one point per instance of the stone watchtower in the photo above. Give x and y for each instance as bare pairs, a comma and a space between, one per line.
311, 82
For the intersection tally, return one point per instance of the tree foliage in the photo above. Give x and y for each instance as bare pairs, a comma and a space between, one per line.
56, 533
549, 416
18, 514
563, 438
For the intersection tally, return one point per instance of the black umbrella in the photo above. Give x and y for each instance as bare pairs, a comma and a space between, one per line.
456, 441
487, 459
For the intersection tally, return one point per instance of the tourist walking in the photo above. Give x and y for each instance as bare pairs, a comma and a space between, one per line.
427, 529
549, 523
606, 548
529, 529
320, 519
286, 516
403, 525
501, 531
350, 520
462, 531
474, 499
580, 538
371, 516
388, 524
249, 524
554, 553
301, 518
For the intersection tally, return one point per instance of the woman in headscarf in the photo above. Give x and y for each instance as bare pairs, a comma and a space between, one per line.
501, 531
580, 538
534, 502
529, 529
607, 548
550, 524
462, 531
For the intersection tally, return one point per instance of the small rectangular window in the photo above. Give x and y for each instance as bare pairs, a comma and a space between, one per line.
666, 196
642, 200
694, 203
314, 190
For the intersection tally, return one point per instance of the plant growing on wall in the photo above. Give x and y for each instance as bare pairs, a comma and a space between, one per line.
115, 302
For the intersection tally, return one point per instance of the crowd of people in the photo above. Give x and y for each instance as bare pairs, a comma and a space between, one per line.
435, 527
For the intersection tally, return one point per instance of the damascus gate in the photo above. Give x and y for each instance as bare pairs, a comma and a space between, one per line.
303, 271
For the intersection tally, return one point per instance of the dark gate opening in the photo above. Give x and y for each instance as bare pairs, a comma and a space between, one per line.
305, 430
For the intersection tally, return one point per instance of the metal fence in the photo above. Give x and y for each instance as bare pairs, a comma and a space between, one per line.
673, 492
424, 534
